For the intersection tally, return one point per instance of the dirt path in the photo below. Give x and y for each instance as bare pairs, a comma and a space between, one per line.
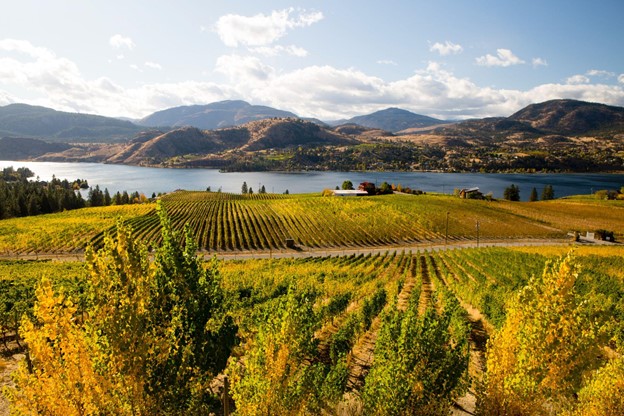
8, 364
315, 252
427, 288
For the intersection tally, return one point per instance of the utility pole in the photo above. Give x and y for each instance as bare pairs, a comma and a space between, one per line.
446, 234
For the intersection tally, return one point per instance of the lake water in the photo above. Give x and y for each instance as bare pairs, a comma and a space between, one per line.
150, 180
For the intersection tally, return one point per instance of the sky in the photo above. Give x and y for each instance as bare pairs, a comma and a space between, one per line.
325, 59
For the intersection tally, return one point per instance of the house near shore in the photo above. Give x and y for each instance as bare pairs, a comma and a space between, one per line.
470, 193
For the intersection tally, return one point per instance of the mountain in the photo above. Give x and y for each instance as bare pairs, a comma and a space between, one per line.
213, 116
571, 117
556, 117
12, 148
22, 120
393, 120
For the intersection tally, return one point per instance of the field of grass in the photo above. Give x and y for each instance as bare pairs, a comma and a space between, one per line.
231, 222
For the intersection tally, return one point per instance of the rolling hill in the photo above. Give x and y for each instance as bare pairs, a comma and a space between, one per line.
22, 120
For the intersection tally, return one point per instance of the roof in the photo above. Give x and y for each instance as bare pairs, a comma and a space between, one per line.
467, 190
349, 192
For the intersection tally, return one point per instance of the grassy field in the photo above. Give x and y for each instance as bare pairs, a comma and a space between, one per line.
230, 222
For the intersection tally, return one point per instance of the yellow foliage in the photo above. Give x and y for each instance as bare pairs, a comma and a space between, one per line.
604, 393
547, 343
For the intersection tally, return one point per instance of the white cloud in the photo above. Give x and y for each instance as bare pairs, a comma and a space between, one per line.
600, 73
280, 50
119, 42
446, 48
243, 70
153, 65
135, 67
577, 79
387, 62
261, 29
504, 58
315, 91
539, 62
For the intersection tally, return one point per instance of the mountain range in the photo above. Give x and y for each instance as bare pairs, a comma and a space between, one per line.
567, 134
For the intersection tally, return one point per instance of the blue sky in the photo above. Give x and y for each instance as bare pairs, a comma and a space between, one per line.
325, 59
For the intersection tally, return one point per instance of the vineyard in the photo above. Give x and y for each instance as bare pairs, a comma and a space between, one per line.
229, 222
224, 222
376, 334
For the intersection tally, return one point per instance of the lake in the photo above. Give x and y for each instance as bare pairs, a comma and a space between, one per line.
155, 180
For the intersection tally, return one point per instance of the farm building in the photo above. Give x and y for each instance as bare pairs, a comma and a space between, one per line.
470, 193
350, 192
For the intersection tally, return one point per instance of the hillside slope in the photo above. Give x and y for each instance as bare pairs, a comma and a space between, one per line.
213, 116
22, 120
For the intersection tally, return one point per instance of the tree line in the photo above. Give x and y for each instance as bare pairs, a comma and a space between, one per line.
22, 197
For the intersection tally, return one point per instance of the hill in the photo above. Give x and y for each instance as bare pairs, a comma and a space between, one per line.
393, 120
12, 148
212, 116
556, 117
161, 148
571, 117
22, 120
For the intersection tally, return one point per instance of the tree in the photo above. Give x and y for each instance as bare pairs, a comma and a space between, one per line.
250, 191
244, 188
262, 190
546, 345
347, 185
548, 193
533, 196
512, 193
149, 340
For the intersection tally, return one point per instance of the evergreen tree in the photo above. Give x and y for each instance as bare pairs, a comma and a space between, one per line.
548, 193
533, 196
262, 190
244, 189
512, 193
107, 198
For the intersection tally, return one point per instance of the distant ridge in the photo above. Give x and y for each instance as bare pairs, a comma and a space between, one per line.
213, 116
23, 120
393, 120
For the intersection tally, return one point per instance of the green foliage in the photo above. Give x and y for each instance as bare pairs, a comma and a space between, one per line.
548, 193
533, 196
419, 366
276, 376
347, 185
512, 193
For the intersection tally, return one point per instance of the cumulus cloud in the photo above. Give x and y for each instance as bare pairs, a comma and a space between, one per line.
577, 79
539, 62
446, 48
504, 58
324, 91
276, 50
600, 73
120, 42
243, 69
261, 29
